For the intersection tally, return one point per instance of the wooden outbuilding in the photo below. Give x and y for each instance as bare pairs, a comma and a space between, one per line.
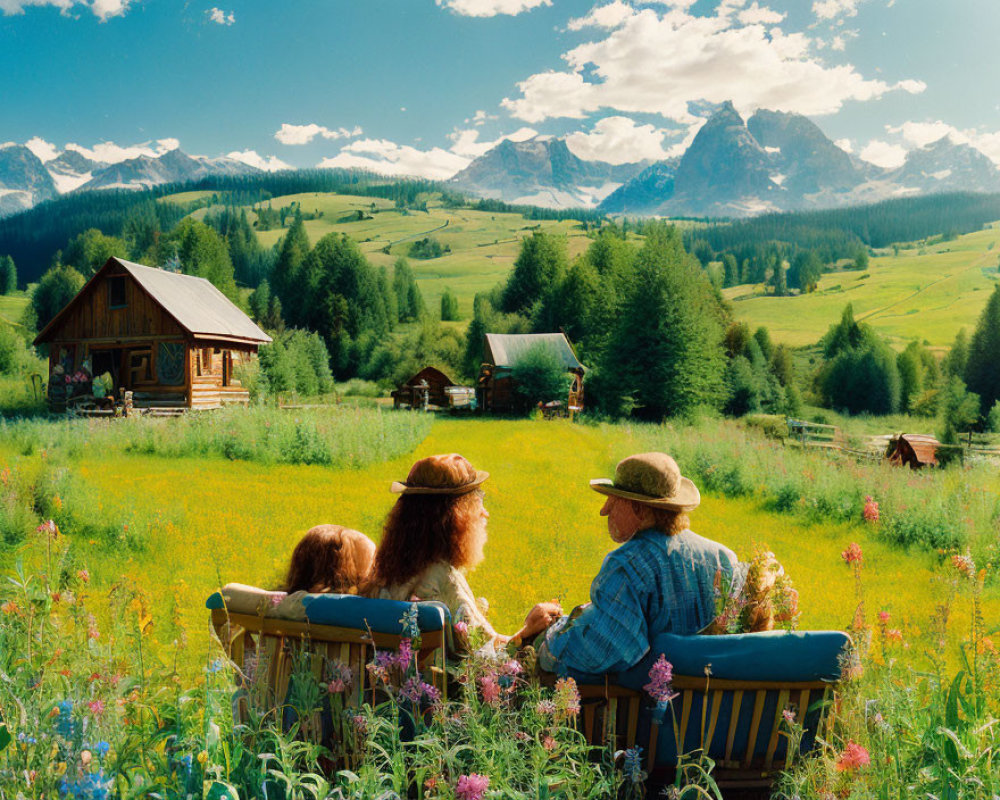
914, 450
431, 387
496, 388
173, 340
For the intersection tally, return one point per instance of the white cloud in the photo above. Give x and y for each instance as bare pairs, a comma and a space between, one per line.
254, 159
645, 61
102, 9
466, 142
845, 145
303, 134
618, 140
105, 9
920, 134
220, 17
389, 158
491, 8
832, 9
883, 154
760, 15
111, 153
481, 117
45, 151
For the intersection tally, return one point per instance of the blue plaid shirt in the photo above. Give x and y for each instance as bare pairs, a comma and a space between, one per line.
652, 584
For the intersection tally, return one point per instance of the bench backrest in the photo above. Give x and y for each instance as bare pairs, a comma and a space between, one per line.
732, 692
269, 651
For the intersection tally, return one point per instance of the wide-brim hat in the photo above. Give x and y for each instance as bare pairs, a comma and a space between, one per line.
653, 479
444, 474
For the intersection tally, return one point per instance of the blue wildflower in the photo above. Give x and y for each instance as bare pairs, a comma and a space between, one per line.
102, 749
632, 767
409, 622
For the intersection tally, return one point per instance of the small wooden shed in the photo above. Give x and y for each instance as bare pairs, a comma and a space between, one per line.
495, 389
431, 387
914, 450
173, 340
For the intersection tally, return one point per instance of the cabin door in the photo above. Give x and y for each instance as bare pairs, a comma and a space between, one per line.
109, 361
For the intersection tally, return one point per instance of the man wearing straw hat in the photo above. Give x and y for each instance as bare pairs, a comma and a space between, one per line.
662, 578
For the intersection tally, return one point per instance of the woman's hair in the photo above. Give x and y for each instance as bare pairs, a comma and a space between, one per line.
330, 558
422, 529
670, 522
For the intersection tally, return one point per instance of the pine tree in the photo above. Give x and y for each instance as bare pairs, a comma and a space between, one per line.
8, 275
449, 306
286, 277
666, 356
540, 266
982, 372
953, 365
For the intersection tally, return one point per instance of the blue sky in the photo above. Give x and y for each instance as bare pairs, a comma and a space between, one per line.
423, 86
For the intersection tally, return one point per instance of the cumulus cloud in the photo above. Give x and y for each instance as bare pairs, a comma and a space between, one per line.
102, 9
884, 154
303, 134
254, 159
913, 134
466, 142
45, 151
649, 61
220, 17
759, 15
111, 153
833, 9
389, 158
618, 140
845, 145
491, 8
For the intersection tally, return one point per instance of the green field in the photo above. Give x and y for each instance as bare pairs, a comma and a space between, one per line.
926, 293
483, 245
12, 307
216, 521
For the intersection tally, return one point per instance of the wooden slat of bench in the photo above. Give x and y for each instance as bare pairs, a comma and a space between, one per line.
737, 702
633, 720
758, 713
772, 744
687, 702
713, 718
689, 682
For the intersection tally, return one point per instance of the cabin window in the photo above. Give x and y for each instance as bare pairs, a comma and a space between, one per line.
170, 363
116, 291
205, 361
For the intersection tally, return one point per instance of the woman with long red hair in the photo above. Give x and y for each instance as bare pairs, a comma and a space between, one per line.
434, 533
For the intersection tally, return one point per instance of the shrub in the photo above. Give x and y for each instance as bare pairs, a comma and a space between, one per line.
540, 376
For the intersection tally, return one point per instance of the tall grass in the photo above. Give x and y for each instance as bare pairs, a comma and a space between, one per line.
333, 437
937, 510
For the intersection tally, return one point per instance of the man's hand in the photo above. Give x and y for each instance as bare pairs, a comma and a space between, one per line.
540, 617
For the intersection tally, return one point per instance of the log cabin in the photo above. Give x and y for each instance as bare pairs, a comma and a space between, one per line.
496, 387
175, 341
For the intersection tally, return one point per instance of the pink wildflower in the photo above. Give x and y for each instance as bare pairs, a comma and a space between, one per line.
490, 690
852, 555
965, 565
545, 707
549, 743
336, 686
405, 654
472, 787
83, 575
461, 628
883, 617
660, 676
789, 716
567, 698
854, 757
96, 707
870, 512
511, 667
48, 527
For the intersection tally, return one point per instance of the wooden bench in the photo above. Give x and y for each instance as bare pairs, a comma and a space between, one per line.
731, 695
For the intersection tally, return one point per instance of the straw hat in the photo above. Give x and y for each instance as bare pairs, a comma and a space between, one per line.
653, 479
445, 474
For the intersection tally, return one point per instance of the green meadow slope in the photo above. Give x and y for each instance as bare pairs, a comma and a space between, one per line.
925, 293
483, 245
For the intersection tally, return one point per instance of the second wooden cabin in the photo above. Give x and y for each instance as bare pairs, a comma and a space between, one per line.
496, 388
173, 340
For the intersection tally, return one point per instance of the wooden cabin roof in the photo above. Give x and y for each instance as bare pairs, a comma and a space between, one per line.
432, 375
195, 303
924, 447
505, 349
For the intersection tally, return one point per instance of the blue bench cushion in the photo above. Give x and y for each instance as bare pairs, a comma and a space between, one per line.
361, 613
382, 616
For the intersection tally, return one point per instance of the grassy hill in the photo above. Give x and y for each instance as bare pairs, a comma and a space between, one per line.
483, 244
924, 292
